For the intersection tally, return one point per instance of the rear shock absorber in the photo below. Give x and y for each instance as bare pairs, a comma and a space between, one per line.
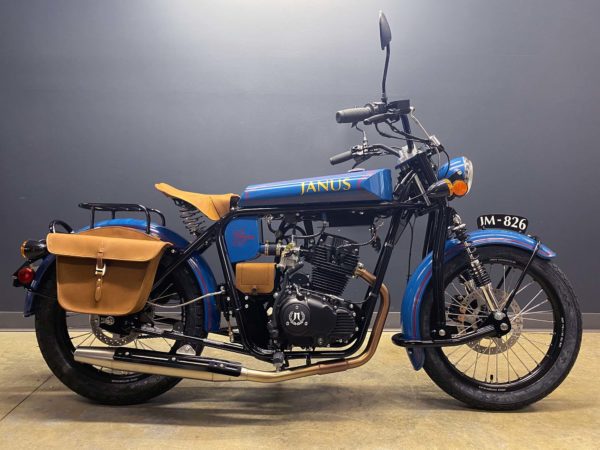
478, 273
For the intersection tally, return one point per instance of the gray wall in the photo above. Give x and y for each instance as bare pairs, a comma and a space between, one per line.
99, 100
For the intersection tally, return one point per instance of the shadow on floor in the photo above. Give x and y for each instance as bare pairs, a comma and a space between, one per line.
225, 405
231, 405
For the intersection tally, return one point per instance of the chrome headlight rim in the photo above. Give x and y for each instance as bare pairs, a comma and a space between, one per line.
468, 172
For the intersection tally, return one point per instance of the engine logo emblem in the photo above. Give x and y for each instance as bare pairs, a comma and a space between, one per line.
297, 317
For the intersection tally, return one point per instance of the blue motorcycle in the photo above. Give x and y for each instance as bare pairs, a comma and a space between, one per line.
488, 315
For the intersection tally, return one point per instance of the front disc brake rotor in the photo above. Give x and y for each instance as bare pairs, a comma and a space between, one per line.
112, 339
473, 311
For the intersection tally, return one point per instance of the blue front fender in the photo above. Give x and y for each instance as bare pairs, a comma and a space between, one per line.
413, 296
204, 276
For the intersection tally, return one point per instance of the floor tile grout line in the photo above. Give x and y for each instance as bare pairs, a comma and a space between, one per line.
26, 397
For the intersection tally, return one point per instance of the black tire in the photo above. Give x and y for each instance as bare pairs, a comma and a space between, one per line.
563, 347
90, 382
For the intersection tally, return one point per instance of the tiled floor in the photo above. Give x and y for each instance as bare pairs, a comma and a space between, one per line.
384, 404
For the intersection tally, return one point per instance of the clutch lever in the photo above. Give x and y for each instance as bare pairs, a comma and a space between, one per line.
378, 118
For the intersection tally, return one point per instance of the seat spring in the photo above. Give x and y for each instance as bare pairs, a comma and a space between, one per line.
192, 218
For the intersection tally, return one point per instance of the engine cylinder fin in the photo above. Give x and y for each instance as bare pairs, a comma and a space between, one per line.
334, 260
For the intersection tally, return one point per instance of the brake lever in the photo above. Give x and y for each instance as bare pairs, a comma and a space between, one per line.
362, 153
359, 160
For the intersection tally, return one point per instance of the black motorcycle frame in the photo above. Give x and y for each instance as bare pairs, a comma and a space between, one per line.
400, 211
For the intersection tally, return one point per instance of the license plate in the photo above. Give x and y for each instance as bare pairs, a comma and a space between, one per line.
505, 221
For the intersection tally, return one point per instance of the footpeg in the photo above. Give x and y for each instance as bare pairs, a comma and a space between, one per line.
485, 331
186, 349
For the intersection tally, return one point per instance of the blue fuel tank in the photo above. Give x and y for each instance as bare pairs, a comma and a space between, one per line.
362, 186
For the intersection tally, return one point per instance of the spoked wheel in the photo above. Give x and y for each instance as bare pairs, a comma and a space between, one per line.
525, 365
60, 332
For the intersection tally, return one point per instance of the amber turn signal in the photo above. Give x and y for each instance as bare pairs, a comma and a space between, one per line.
446, 188
32, 250
440, 189
459, 188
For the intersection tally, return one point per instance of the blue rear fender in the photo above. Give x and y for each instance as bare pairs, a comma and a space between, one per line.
417, 285
201, 270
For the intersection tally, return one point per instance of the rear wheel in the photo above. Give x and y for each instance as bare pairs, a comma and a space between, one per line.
60, 332
512, 371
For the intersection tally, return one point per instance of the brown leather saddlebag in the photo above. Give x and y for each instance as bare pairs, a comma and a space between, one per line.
255, 278
105, 271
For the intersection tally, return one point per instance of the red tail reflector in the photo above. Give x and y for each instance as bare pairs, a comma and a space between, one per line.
25, 275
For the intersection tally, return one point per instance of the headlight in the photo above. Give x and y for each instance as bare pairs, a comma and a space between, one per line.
460, 168
468, 172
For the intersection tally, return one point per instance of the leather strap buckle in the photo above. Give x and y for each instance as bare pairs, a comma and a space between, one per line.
100, 270
100, 265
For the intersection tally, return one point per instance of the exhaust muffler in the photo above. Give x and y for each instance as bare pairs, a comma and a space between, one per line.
210, 369
159, 363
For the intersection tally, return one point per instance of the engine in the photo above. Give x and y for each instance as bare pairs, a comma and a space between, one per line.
312, 319
310, 311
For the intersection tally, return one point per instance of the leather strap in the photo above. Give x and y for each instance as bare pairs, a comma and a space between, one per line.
100, 271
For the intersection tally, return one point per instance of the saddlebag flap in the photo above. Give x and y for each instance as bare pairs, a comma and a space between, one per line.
105, 271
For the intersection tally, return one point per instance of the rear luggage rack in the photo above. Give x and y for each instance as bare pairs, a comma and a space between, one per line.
113, 208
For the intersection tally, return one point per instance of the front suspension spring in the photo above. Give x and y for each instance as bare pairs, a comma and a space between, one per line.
477, 271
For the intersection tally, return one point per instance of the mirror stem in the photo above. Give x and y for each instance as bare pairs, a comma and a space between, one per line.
385, 69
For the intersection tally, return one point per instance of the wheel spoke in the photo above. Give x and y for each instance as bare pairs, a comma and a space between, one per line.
455, 350
80, 335
522, 289
520, 360
82, 342
534, 312
529, 354
487, 365
145, 345
457, 291
538, 349
497, 378
476, 359
531, 301
533, 307
461, 358
162, 292
539, 320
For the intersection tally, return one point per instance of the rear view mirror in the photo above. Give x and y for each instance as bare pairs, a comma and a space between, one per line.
385, 34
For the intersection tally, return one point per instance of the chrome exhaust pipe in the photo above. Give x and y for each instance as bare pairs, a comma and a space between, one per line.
209, 369
159, 363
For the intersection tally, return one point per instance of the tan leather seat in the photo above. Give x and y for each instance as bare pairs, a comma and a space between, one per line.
212, 206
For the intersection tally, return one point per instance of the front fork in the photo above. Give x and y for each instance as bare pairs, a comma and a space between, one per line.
476, 277
479, 279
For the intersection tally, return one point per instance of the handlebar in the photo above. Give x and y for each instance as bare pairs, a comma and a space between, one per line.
374, 112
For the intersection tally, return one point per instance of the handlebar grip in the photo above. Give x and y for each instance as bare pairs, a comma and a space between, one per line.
352, 115
342, 157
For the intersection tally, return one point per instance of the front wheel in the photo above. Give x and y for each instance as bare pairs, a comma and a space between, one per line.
527, 364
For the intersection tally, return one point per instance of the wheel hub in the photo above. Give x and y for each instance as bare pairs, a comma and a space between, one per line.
473, 311
107, 337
